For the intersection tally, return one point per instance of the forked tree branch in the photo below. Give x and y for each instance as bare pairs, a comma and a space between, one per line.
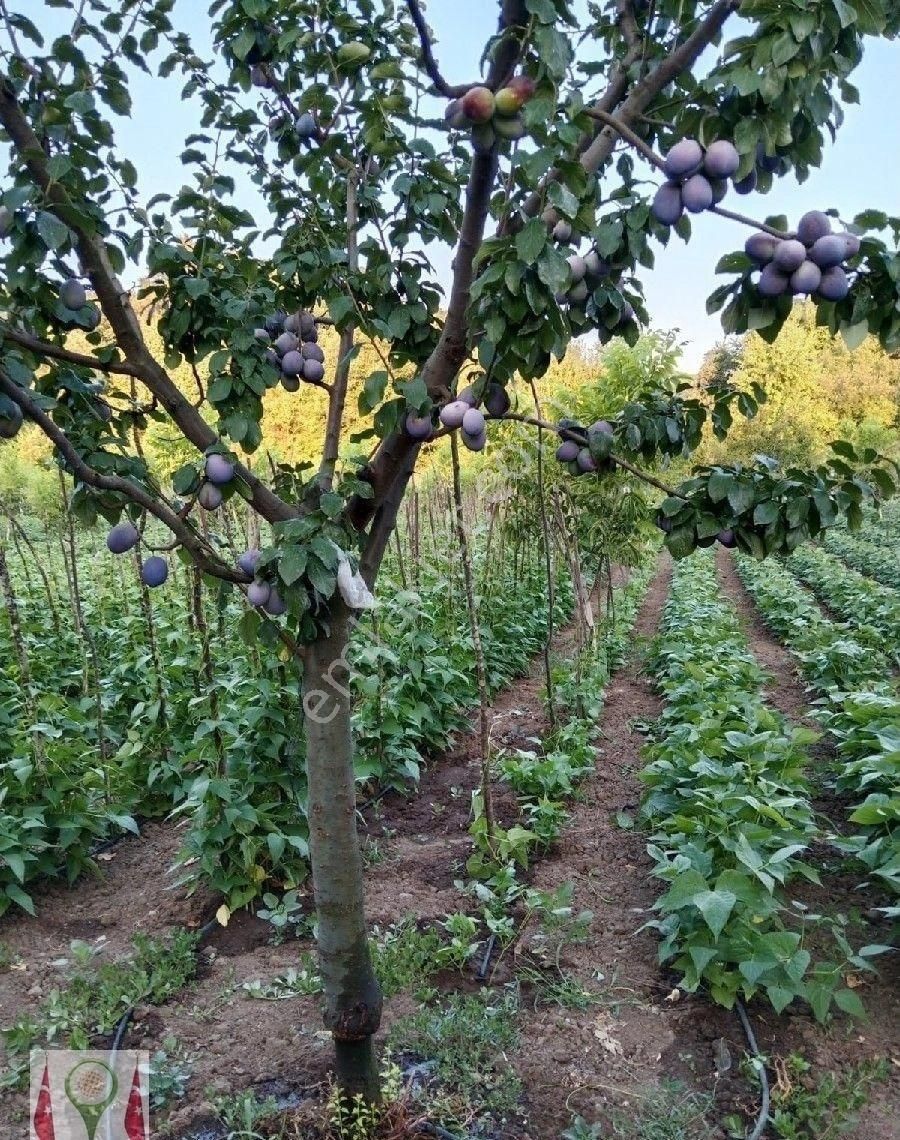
190, 539
433, 71
115, 302
581, 438
66, 355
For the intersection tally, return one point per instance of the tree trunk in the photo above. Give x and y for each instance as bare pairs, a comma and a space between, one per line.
352, 995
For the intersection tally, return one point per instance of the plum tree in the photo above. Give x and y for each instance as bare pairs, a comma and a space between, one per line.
357, 181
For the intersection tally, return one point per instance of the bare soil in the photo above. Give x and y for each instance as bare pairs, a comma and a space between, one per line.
600, 1061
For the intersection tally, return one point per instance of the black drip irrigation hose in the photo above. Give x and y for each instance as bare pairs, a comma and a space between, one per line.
483, 968
763, 1118
122, 1027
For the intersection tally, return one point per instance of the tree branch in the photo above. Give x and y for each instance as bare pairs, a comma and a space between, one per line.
596, 150
628, 134
746, 221
581, 438
337, 395
193, 542
116, 303
429, 63
58, 352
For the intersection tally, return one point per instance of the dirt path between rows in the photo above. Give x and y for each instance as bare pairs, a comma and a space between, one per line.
844, 1043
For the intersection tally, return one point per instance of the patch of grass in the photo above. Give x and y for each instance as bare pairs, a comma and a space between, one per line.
241, 1113
170, 1071
94, 999
670, 1112
556, 987
292, 983
829, 1108
404, 957
465, 1037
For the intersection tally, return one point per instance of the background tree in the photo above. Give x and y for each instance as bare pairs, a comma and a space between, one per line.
537, 179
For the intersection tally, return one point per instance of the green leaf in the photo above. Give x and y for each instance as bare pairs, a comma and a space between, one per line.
849, 1002
292, 564
531, 240
53, 232
683, 889
19, 896
373, 391
715, 906
740, 496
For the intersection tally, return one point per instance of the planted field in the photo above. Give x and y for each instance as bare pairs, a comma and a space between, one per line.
495, 950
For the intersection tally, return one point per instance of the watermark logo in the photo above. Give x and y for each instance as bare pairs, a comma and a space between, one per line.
89, 1095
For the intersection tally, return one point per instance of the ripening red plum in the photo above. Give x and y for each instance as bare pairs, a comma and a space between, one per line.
258, 593
761, 247
513, 97
812, 226
807, 278
123, 536
287, 342
721, 159
292, 364
497, 400
154, 571
473, 422
478, 104
789, 255
311, 351
684, 159
567, 452
313, 371
73, 294
772, 282
210, 497
419, 427
218, 469
726, 538
834, 285
697, 194
667, 205
248, 561
828, 251
452, 414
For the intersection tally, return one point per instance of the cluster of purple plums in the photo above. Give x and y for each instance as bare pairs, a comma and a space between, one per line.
697, 178
577, 457
812, 262
463, 414
292, 348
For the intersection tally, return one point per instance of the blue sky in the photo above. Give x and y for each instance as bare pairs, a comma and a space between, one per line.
861, 170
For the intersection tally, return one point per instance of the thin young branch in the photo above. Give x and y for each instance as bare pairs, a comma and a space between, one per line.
115, 301
66, 355
337, 396
203, 556
581, 438
628, 25
628, 134
744, 220
428, 61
